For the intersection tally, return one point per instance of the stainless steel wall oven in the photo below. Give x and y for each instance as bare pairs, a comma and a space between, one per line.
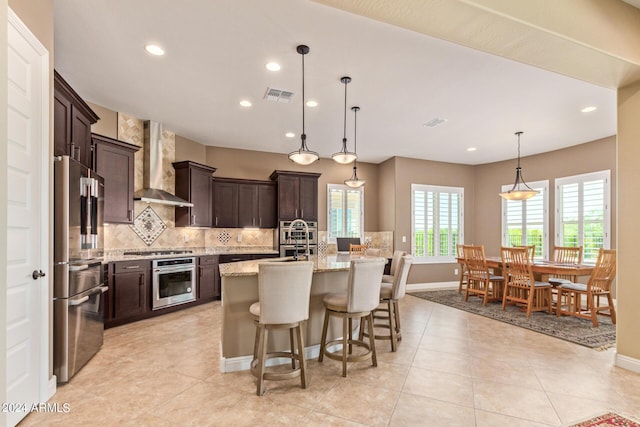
174, 282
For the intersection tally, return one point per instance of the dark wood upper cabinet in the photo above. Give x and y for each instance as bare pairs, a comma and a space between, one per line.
72, 123
225, 203
193, 183
244, 203
267, 206
114, 161
247, 205
297, 195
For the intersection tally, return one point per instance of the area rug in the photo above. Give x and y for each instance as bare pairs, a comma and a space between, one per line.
608, 420
568, 328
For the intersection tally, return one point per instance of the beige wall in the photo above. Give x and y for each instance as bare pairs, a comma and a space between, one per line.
387, 194
487, 217
187, 149
107, 125
628, 343
247, 164
412, 171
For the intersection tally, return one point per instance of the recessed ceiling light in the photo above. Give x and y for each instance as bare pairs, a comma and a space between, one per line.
589, 109
289, 134
273, 66
154, 49
312, 104
471, 149
245, 103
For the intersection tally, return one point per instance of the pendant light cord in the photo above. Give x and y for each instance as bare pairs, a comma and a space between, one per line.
344, 130
355, 136
303, 133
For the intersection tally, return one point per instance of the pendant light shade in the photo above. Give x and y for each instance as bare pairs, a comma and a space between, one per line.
520, 189
344, 156
354, 181
303, 156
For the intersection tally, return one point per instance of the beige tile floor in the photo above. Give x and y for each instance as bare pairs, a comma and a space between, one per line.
451, 369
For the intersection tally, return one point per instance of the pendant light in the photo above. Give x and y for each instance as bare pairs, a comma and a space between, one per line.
520, 189
354, 181
343, 156
303, 156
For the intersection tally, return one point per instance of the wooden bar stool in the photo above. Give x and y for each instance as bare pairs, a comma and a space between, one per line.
284, 289
358, 302
388, 313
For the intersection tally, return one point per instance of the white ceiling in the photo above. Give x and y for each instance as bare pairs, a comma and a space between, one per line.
215, 56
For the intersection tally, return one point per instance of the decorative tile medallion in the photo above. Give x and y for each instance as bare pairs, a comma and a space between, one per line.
148, 226
322, 247
224, 237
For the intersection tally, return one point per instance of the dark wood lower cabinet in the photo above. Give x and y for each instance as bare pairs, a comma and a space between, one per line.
129, 283
208, 278
130, 286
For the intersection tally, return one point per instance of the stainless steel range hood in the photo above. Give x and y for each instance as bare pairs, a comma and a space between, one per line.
153, 189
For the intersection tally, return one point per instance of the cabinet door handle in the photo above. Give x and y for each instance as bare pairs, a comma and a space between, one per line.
131, 267
301, 213
72, 151
78, 150
260, 222
296, 212
253, 222
130, 214
216, 221
193, 219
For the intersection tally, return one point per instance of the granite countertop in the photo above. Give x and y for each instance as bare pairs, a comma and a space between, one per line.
119, 254
340, 262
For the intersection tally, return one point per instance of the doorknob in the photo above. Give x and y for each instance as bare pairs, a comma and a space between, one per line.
37, 274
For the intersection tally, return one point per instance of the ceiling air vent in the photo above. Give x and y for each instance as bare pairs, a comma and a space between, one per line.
434, 122
277, 95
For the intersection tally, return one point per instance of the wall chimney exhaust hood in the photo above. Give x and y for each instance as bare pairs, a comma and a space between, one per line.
153, 188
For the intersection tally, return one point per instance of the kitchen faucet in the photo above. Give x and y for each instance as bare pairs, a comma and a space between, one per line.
306, 234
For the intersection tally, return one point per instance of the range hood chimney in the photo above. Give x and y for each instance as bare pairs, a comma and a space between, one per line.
153, 189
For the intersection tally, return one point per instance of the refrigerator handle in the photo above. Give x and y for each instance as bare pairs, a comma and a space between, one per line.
79, 301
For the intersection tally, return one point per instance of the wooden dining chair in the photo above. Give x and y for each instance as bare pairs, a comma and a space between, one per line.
599, 284
521, 287
531, 251
357, 249
463, 269
565, 255
480, 281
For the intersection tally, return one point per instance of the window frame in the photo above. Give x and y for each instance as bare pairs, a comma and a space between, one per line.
544, 185
606, 221
344, 188
437, 259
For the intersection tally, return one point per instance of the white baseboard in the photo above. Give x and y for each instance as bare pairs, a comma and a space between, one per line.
243, 363
628, 363
416, 287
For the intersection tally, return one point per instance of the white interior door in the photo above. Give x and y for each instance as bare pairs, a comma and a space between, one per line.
27, 224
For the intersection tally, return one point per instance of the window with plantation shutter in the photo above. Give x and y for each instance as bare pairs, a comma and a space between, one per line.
526, 222
345, 216
436, 222
582, 213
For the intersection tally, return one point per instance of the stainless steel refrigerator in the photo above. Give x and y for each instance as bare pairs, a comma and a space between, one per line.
78, 269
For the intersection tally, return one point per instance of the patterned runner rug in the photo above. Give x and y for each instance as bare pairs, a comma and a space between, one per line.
608, 420
569, 328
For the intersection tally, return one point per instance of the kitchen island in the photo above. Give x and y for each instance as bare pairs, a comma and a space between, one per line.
240, 290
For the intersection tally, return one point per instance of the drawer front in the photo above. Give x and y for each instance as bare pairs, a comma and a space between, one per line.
209, 259
131, 266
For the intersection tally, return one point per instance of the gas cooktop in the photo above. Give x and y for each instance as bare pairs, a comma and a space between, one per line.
159, 252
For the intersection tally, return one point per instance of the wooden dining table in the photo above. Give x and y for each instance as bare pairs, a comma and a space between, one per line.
543, 269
